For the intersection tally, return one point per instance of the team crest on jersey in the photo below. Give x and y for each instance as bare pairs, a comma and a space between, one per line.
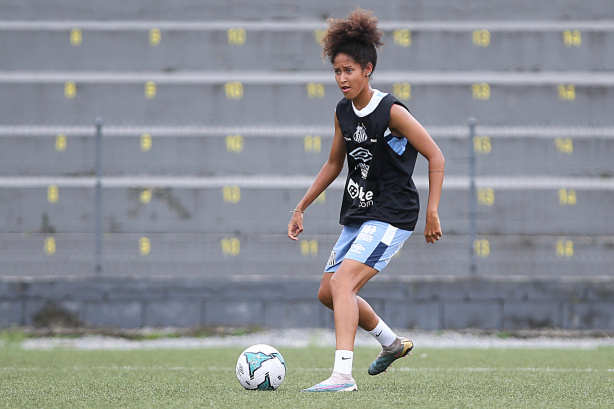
361, 134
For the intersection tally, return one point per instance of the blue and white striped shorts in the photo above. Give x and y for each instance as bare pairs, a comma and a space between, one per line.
373, 243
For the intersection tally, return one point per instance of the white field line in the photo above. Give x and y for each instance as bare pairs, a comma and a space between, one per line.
305, 339
227, 368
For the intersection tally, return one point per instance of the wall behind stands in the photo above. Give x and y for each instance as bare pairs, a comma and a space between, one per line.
407, 302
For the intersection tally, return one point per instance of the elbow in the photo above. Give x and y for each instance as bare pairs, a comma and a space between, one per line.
438, 160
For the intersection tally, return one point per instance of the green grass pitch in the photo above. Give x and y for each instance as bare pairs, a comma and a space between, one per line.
204, 378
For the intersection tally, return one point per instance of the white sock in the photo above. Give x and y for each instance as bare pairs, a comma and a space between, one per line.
343, 362
384, 335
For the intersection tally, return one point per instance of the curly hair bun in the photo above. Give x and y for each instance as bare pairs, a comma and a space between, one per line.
360, 26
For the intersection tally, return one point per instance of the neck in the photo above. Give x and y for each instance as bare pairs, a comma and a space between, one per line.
362, 99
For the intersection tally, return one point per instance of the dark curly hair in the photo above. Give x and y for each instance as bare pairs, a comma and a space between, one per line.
357, 36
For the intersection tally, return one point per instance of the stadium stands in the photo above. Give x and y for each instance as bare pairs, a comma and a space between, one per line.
217, 118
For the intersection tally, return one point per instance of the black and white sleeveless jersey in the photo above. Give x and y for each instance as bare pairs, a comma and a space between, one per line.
379, 184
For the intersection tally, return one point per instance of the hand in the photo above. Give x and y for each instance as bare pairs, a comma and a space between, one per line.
295, 227
432, 231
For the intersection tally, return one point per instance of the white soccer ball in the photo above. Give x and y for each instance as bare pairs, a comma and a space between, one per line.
261, 367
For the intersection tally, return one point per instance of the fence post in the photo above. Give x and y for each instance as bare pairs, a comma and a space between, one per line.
98, 267
473, 205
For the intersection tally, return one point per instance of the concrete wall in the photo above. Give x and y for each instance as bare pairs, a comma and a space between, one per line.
290, 302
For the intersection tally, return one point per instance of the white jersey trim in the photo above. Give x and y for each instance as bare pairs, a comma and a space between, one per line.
376, 98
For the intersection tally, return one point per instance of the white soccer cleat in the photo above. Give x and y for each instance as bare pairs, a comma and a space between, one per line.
336, 383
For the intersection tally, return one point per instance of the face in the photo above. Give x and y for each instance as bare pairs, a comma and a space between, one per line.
351, 78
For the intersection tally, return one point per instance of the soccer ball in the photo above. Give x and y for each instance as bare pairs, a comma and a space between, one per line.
261, 367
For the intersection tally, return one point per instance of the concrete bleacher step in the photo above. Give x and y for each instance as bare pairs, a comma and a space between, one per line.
167, 46
262, 204
298, 97
195, 10
203, 150
151, 254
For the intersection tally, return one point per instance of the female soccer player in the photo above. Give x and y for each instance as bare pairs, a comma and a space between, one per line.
381, 140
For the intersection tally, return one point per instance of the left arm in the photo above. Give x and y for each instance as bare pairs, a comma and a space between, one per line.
403, 123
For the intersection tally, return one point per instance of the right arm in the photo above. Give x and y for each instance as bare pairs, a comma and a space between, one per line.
329, 172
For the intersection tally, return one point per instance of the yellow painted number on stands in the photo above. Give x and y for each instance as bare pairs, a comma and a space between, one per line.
60, 142
231, 194
402, 37
70, 89
150, 90
155, 36
481, 91
319, 35
146, 142
315, 91
564, 248
567, 92
231, 246
237, 36
53, 194
145, 196
49, 246
76, 37
567, 197
572, 38
486, 196
481, 38
402, 90
481, 248
482, 144
313, 143
234, 143
321, 199
309, 247
564, 145
144, 246
234, 90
